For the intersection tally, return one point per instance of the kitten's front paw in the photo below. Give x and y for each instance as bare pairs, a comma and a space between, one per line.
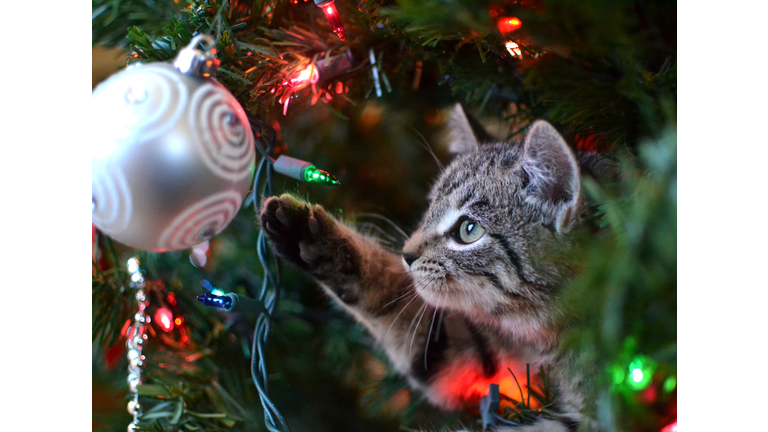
306, 236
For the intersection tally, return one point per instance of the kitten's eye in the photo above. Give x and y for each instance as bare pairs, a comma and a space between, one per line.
469, 232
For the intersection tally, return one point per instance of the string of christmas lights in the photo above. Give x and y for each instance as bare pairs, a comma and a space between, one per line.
267, 299
271, 283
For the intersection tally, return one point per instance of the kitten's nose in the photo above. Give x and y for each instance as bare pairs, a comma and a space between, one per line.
409, 258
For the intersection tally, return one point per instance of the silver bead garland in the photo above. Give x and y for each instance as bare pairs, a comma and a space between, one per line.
137, 336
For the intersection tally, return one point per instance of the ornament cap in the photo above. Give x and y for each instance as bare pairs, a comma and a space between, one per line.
192, 61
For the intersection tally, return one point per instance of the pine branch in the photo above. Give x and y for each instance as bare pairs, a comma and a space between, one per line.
111, 18
632, 269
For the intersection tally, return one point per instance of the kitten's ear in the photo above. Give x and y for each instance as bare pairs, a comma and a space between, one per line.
553, 172
461, 137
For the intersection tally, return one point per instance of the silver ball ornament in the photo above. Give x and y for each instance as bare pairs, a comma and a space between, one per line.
173, 154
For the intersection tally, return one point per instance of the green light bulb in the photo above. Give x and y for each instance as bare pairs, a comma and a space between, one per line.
640, 372
303, 170
314, 175
670, 384
617, 374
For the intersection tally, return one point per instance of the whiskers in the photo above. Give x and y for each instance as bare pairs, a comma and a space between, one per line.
420, 314
408, 293
430, 286
413, 296
388, 221
429, 335
375, 230
424, 143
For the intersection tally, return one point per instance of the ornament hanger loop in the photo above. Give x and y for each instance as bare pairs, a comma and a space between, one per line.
192, 61
206, 40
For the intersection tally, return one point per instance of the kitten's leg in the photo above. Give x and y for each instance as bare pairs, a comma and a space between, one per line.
362, 276
355, 270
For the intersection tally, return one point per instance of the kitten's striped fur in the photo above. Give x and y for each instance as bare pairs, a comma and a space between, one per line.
448, 314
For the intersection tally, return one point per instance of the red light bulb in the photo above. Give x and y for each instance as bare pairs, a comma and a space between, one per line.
306, 76
165, 318
670, 427
329, 9
509, 24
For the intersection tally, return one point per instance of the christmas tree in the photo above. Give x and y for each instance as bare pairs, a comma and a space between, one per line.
362, 92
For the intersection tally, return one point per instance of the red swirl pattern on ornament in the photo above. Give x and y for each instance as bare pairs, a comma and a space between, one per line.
112, 201
201, 221
225, 141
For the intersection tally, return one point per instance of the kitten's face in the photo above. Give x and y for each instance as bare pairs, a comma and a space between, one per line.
485, 244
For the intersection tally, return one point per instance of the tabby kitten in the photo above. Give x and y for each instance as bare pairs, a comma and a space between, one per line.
471, 295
